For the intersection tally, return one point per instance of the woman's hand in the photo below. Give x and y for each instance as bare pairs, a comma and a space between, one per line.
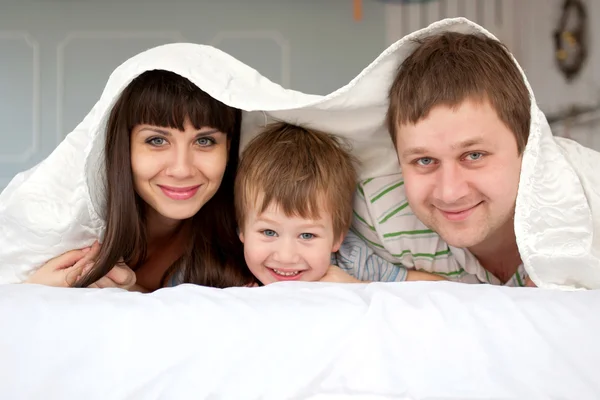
62, 271
337, 275
121, 276
66, 269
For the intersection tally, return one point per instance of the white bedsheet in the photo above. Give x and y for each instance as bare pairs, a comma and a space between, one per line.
414, 340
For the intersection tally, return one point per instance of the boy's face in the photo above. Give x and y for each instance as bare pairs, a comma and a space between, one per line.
282, 248
461, 171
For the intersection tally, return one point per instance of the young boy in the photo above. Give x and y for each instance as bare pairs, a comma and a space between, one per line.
293, 197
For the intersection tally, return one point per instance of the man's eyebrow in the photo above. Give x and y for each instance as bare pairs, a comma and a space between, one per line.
413, 151
468, 143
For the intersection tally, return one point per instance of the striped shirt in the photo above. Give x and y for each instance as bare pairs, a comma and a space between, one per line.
384, 220
356, 258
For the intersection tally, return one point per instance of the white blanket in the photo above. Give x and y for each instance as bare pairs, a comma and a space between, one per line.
415, 340
58, 205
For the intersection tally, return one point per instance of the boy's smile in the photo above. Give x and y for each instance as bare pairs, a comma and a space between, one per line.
278, 247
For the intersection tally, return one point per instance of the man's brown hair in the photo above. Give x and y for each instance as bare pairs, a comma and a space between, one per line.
449, 68
300, 170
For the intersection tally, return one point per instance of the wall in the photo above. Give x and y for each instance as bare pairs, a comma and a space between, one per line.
555, 95
526, 27
57, 55
497, 16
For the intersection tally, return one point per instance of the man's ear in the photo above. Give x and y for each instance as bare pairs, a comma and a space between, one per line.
338, 243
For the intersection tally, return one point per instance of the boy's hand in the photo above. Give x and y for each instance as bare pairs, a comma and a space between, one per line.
529, 282
337, 275
412, 275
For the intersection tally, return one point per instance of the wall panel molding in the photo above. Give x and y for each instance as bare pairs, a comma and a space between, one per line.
275, 36
83, 35
31, 42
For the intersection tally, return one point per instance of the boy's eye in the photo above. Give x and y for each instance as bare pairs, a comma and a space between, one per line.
307, 236
269, 233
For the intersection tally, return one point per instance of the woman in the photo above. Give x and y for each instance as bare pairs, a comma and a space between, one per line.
171, 152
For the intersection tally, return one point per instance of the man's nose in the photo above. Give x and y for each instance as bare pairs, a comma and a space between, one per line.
451, 184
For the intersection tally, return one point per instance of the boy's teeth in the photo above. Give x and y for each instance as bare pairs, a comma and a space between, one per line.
285, 273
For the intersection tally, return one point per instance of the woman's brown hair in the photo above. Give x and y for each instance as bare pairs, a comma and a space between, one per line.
214, 254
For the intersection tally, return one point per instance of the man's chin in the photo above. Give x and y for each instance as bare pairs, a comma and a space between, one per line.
460, 238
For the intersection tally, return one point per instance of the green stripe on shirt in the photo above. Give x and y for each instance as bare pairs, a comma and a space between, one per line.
393, 212
364, 221
408, 233
366, 240
385, 190
427, 255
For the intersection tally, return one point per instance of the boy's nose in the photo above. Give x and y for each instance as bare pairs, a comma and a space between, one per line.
286, 252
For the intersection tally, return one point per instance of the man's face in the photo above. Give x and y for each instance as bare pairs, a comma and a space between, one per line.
461, 171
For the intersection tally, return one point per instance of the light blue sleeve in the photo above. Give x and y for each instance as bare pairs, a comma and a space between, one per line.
360, 261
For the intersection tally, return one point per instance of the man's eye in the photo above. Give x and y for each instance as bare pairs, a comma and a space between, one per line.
425, 161
474, 156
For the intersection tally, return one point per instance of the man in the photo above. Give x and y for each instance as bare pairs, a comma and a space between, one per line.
459, 117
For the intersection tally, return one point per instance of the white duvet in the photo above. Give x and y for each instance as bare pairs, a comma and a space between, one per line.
416, 340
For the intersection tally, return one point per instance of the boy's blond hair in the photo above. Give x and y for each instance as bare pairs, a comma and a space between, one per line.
451, 67
300, 170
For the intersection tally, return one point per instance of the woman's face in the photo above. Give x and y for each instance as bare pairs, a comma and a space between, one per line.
177, 172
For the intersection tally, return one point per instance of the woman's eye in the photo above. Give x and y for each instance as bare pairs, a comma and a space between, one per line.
269, 233
307, 236
157, 141
205, 142
425, 161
